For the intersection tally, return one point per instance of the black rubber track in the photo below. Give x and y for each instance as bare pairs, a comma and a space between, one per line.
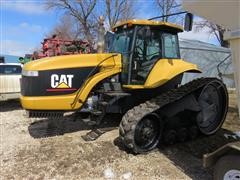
133, 116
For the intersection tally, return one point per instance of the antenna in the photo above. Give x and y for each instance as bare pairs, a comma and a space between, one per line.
174, 14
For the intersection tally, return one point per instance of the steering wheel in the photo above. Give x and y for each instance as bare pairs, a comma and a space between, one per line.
154, 58
139, 50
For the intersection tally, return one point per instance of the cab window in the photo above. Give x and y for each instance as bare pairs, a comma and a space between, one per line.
147, 48
121, 44
170, 46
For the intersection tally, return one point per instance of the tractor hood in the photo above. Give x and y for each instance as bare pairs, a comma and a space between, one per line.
54, 82
74, 61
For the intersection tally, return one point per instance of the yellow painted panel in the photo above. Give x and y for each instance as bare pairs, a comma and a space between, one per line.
163, 71
60, 102
134, 86
148, 22
166, 69
73, 61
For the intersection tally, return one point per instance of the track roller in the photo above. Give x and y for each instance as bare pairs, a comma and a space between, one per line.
193, 132
182, 134
170, 136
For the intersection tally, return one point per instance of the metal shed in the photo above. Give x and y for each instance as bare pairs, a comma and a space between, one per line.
214, 61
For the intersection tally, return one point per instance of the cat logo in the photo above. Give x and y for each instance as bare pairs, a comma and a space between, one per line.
61, 82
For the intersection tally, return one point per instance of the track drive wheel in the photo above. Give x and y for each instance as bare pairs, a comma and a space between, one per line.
213, 101
140, 134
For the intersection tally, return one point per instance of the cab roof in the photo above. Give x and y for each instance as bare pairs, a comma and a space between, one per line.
148, 22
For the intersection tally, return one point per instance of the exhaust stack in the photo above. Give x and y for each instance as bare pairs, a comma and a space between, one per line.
101, 31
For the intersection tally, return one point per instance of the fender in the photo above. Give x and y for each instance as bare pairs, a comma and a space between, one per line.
166, 69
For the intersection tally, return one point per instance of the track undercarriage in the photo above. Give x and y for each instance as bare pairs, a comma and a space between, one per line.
199, 106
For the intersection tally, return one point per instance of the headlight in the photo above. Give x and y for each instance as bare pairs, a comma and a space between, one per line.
113, 80
29, 73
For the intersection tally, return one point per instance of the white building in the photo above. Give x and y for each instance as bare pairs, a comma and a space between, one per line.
213, 61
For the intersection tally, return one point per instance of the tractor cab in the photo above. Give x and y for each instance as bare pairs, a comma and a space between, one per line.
142, 43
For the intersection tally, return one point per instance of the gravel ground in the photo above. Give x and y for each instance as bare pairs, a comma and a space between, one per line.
29, 150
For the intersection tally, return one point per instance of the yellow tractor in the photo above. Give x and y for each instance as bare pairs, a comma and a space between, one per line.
139, 79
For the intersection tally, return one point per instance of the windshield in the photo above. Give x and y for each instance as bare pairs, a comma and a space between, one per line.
121, 42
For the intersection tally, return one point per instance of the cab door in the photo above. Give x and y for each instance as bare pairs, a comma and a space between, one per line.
147, 51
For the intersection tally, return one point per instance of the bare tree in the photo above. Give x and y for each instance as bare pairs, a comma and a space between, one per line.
214, 29
171, 6
66, 29
167, 7
87, 13
82, 11
119, 10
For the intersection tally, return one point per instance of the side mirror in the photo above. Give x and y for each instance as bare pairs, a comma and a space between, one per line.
188, 23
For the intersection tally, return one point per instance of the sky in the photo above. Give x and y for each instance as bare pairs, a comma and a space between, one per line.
24, 24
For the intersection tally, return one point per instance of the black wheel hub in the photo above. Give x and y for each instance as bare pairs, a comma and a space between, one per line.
147, 133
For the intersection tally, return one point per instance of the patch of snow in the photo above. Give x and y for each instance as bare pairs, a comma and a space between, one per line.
108, 173
127, 175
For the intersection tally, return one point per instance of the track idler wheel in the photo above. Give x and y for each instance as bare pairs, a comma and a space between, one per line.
213, 101
142, 135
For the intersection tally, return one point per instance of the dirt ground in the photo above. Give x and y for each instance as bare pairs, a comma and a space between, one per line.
29, 150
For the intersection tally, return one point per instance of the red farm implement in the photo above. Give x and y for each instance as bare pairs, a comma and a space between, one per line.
55, 46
